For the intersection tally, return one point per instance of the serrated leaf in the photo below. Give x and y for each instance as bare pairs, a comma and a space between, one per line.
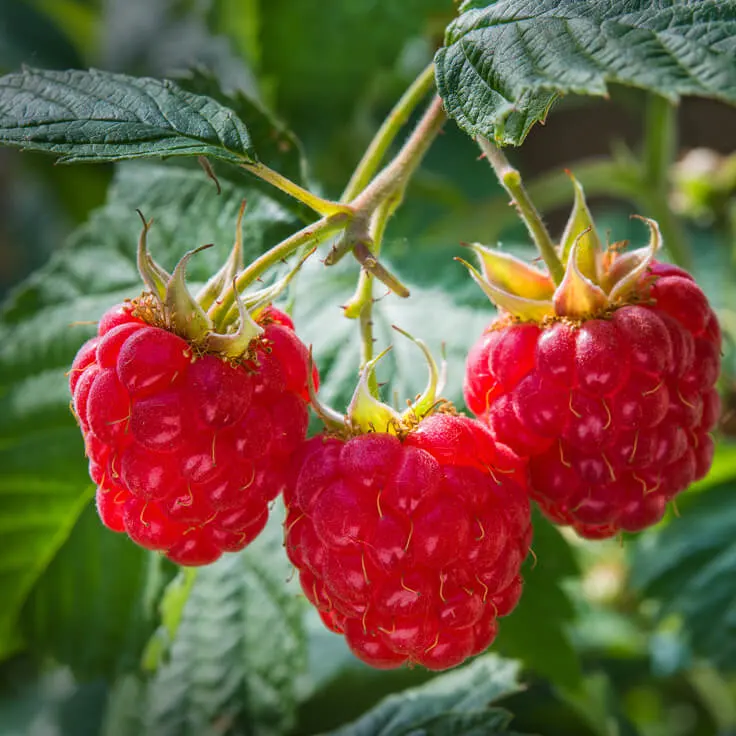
504, 63
458, 700
535, 632
277, 146
690, 567
95, 116
89, 609
238, 652
45, 485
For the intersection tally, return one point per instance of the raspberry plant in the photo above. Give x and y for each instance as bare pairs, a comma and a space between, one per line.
213, 548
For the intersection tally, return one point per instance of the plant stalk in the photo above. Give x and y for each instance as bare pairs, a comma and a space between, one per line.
510, 179
387, 133
320, 205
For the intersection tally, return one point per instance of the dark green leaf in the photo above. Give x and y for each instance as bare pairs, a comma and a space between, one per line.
690, 567
101, 116
238, 652
504, 63
277, 146
45, 486
536, 632
89, 609
28, 36
455, 703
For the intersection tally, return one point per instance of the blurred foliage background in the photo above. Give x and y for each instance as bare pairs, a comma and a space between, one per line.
614, 639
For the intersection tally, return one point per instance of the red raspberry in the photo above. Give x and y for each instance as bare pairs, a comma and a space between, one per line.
187, 450
615, 412
410, 547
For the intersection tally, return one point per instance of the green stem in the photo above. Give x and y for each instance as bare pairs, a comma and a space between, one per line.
510, 179
318, 204
397, 174
361, 304
315, 232
660, 150
386, 134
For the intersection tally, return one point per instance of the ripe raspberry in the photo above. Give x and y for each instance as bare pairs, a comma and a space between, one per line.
187, 447
613, 404
410, 547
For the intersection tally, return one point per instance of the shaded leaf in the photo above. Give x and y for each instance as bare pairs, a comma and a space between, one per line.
504, 63
91, 609
536, 631
238, 651
454, 703
690, 567
100, 116
28, 36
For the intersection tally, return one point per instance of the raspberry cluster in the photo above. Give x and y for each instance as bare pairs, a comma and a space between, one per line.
614, 413
188, 450
410, 547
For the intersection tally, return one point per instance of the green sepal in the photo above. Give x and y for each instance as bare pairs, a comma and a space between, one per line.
644, 256
214, 289
580, 228
154, 277
518, 306
435, 383
365, 411
235, 344
509, 273
186, 316
577, 296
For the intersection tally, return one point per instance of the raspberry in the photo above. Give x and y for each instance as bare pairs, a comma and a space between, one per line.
410, 546
187, 450
607, 385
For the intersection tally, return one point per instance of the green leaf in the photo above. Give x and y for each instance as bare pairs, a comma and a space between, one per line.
455, 703
536, 631
504, 63
26, 34
45, 486
100, 116
90, 609
239, 649
277, 146
690, 567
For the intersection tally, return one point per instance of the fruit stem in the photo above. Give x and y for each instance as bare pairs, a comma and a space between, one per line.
313, 233
320, 205
387, 133
510, 179
660, 150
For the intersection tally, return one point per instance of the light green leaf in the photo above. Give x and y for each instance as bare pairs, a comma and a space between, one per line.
536, 631
100, 116
45, 486
238, 652
504, 63
455, 703
91, 609
690, 567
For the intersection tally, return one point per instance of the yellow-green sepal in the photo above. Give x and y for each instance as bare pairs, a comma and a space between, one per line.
365, 412
518, 306
580, 229
577, 297
508, 273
